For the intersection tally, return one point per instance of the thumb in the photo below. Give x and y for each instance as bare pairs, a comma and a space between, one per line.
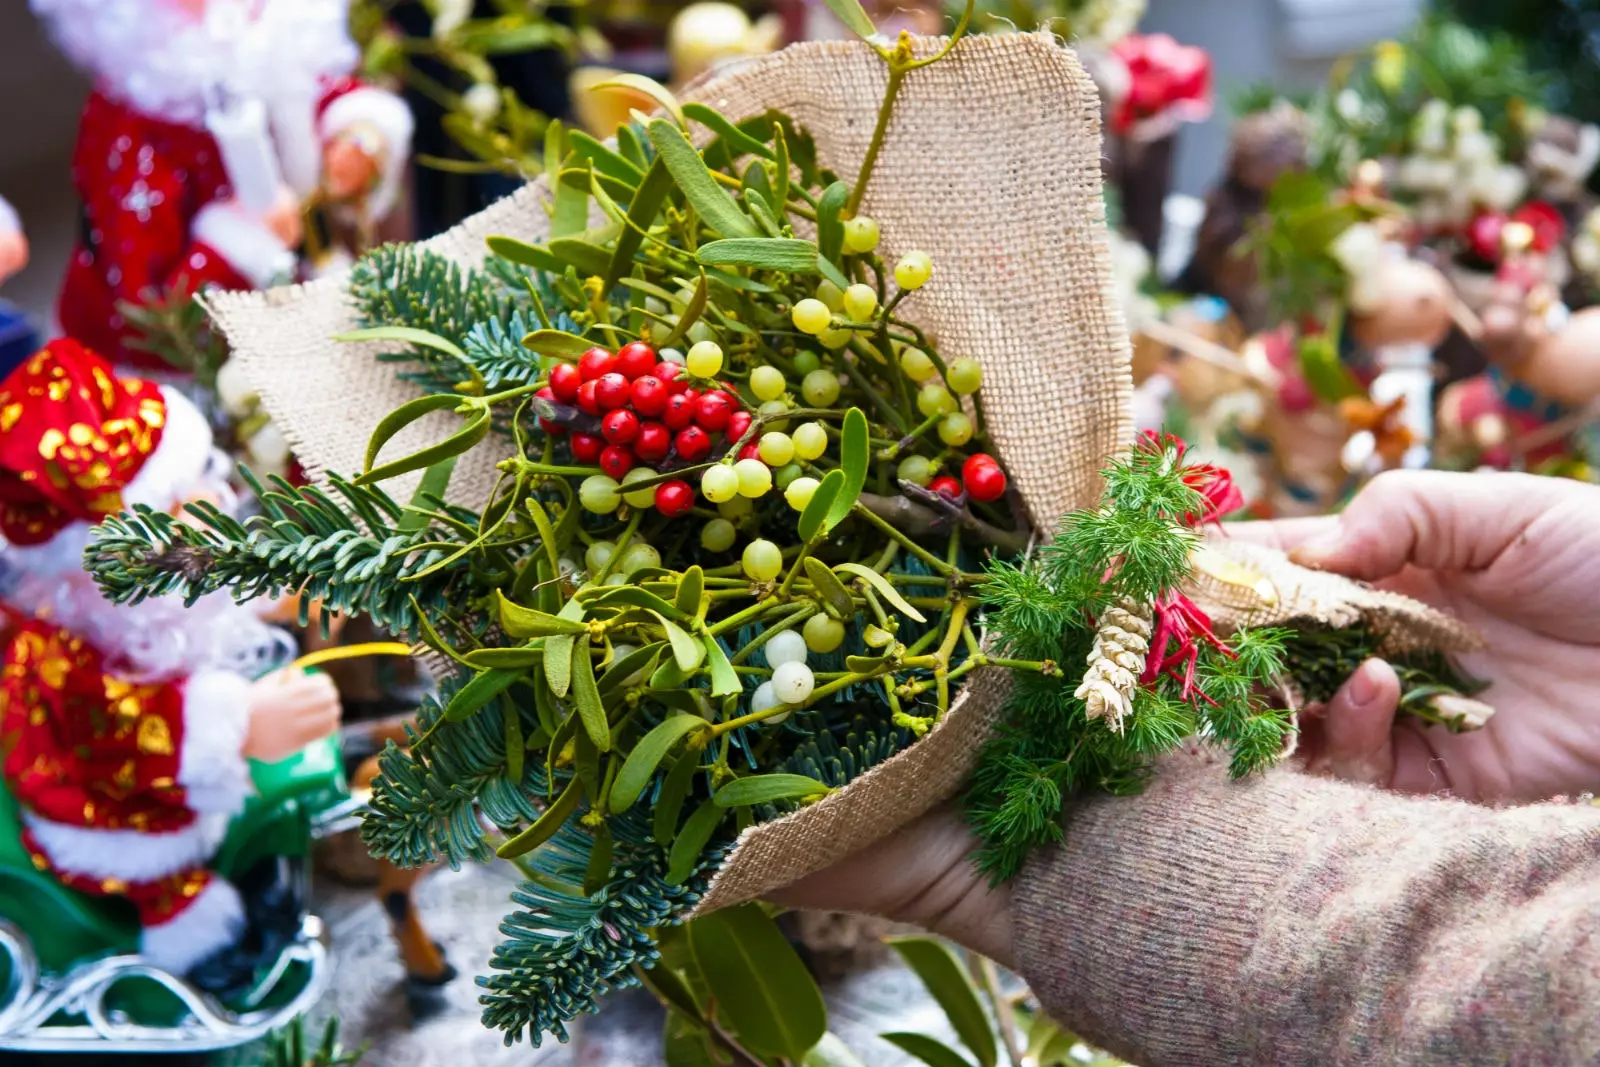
1433, 519
1357, 727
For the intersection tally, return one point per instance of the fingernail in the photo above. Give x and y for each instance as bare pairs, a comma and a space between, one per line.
1318, 549
1365, 684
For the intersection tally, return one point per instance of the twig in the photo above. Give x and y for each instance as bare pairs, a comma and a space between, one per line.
916, 518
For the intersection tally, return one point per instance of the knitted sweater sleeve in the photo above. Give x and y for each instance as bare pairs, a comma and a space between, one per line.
1289, 920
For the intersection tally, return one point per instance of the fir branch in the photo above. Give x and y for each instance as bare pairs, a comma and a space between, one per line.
565, 947
427, 798
303, 543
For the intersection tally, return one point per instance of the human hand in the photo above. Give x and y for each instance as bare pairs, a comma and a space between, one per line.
284, 219
13, 253
351, 165
923, 875
289, 709
1515, 556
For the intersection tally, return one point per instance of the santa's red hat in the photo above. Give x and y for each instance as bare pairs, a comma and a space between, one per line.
78, 443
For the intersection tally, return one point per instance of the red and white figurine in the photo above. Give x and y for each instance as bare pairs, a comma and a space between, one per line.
211, 121
125, 731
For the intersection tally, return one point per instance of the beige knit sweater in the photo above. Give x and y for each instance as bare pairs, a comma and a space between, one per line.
1289, 920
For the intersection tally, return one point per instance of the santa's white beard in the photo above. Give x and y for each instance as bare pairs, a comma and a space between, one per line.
164, 62
157, 640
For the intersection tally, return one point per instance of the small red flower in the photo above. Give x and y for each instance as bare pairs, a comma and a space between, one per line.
1546, 222
1216, 485
1165, 80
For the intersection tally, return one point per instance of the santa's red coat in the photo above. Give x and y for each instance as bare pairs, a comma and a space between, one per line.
153, 224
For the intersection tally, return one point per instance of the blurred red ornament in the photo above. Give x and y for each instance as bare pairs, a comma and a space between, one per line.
1166, 80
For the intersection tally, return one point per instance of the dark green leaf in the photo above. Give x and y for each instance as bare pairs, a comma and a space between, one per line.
947, 980
881, 586
463, 440
854, 17
690, 591
590, 259
605, 160
478, 692
647, 755
826, 268
813, 518
691, 841
546, 825
761, 253
738, 142
669, 676
598, 872
521, 252
635, 597
926, 1049
674, 790
516, 751
832, 591
642, 211
544, 704
435, 480
586, 695
571, 212
519, 621
855, 455
557, 343
628, 144
763, 992
757, 183
716, 208
639, 660
404, 416
761, 210
780, 156
691, 314
724, 680
505, 658
766, 788
685, 649
830, 227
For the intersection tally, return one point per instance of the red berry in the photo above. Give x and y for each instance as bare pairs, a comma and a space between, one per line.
1483, 235
985, 483
680, 410
565, 379
595, 362
649, 395
620, 427
588, 403
553, 428
751, 451
977, 462
674, 498
586, 447
672, 374
713, 411
635, 360
693, 444
738, 423
613, 391
653, 443
946, 487
616, 460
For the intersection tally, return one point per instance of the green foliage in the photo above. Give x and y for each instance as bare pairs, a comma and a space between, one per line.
1558, 42
346, 549
288, 1048
1134, 548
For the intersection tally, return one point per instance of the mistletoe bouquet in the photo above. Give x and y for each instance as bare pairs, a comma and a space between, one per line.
713, 516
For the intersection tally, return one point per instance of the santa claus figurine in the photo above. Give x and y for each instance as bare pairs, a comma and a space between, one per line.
210, 124
126, 730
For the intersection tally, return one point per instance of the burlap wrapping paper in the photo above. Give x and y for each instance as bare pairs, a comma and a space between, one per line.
1302, 595
992, 166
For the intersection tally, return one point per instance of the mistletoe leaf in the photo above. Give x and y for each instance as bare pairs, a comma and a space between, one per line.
835, 597
789, 254
766, 788
739, 142
830, 227
945, 978
814, 519
691, 841
586, 695
716, 208
855, 454
881, 586
691, 589
724, 679
641, 764
478, 692
519, 621
854, 17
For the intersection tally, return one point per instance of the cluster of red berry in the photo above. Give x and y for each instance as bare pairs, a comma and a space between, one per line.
981, 477
647, 408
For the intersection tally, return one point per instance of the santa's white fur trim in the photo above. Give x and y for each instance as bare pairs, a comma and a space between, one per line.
212, 921
9, 222
216, 717
127, 854
391, 118
249, 246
